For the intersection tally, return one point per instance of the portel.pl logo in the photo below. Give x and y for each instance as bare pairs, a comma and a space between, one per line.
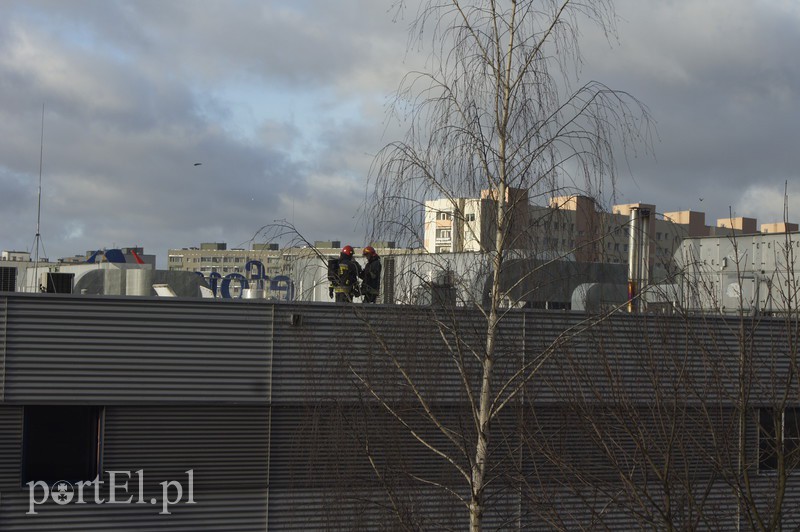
86, 492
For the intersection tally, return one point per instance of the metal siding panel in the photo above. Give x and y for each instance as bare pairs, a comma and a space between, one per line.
234, 511
317, 347
3, 342
321, 477
108, 350
326, 448
363, 510
226, 446
639, 356
764, 488
10, 447
319, 358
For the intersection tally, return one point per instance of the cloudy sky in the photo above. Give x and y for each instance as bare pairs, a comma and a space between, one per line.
284, 104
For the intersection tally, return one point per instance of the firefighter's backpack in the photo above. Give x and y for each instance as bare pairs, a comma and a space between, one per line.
333, 271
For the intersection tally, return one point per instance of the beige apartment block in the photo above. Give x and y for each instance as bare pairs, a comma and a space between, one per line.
693, 221
779, 227
570, 227
468, 224
747, 226
215, 257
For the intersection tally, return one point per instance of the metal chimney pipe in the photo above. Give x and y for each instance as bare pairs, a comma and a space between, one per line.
634, 262
644, 255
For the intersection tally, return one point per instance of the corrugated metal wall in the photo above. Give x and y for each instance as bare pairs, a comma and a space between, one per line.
112, 350
185, 385
266, 403
225, 446
3, 342
10, 448
232, 511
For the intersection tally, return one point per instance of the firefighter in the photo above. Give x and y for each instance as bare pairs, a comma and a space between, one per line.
344, 282
371, 274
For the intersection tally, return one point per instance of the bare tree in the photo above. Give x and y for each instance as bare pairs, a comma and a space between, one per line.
689, 420
496, 111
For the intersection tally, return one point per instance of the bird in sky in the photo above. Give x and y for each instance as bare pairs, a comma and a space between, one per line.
197, 164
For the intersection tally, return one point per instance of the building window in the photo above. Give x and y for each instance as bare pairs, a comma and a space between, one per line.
444, 215
61, 443
442, 249
470, 217
443, 233
8, 279
778, 432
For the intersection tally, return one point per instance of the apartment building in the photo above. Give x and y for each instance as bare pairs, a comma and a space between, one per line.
215, 257
468, 224
571, 227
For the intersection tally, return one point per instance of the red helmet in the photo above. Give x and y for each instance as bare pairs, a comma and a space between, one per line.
368, 251
348, 250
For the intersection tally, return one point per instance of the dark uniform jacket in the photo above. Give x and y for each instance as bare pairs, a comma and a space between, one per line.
347, 280
372, 279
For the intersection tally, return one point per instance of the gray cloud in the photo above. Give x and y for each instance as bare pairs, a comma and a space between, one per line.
724, 89
128, 112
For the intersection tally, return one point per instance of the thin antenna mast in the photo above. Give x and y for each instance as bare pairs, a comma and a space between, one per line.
37, 239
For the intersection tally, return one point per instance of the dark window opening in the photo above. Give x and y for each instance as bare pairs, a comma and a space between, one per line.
778, 434
791, 436
59, 283
767, 439
8, 279
61, 443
